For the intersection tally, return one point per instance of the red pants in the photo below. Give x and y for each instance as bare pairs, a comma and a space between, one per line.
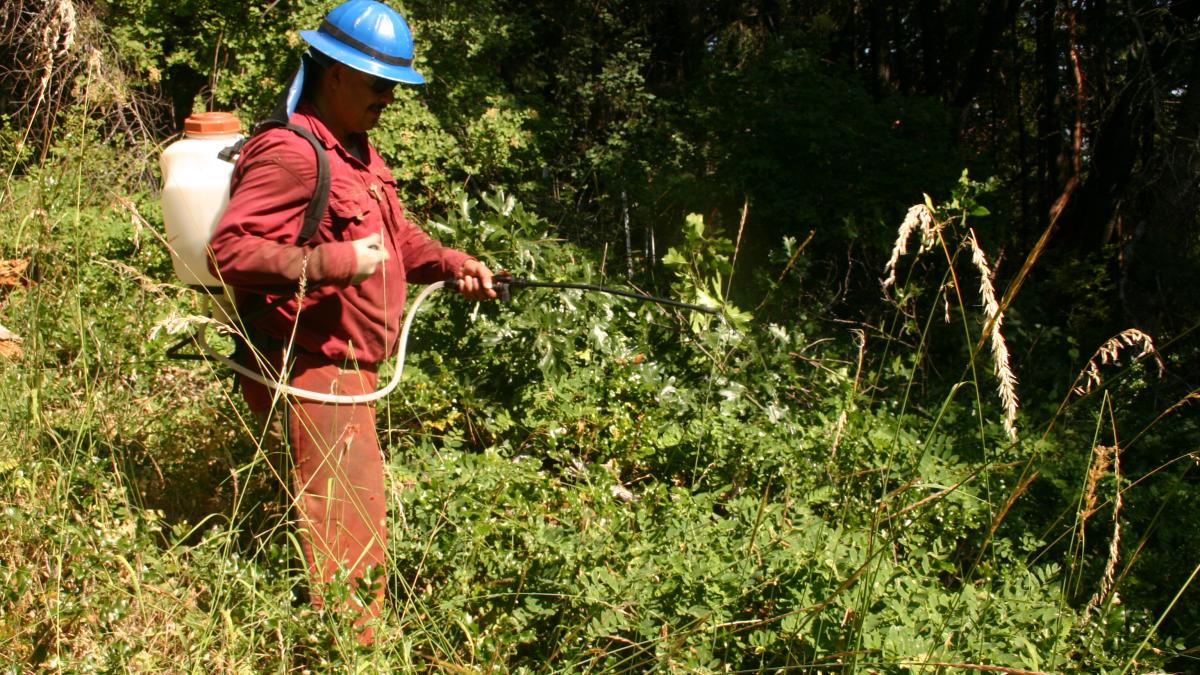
337, 477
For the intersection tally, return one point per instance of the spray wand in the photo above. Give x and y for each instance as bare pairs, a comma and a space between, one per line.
503, 283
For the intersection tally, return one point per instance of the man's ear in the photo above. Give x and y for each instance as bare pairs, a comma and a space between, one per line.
336, 73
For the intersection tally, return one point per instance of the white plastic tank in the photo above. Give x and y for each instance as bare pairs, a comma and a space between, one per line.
196, 191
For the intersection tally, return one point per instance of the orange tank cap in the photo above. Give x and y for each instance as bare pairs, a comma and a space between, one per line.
211, 123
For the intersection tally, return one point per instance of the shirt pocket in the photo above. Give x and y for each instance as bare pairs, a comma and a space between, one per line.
388, 185
352, 217
393, 209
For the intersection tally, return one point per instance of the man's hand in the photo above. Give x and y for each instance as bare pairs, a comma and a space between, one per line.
368, 253
475, 281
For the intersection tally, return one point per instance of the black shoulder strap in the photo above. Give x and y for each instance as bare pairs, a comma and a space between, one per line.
320, 198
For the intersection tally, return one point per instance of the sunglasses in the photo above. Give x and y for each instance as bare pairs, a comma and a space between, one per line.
378, 84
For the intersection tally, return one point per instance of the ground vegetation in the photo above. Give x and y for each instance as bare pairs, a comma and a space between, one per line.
944, 419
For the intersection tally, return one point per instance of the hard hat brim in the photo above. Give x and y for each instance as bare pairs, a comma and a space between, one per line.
360, 61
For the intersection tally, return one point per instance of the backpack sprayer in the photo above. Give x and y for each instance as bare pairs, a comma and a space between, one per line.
196, 174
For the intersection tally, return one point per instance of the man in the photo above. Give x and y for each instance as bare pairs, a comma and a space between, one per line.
354, 269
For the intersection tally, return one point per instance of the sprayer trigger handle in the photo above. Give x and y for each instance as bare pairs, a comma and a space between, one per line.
502, 283
499, 284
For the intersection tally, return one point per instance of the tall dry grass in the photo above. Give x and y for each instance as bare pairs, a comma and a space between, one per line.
47, 47
1001, 362
1104, 457
918, 219
921, 219
1110, 352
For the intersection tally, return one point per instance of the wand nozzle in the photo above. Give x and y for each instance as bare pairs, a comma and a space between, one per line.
503, 282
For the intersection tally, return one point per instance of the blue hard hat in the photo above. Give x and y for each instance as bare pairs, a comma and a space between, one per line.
368, 36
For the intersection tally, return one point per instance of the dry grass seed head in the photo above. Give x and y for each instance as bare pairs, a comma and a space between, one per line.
1114, 545
838, 427
918, 218
946, 289
1102, 458
1001, 362
178, 323
55, 53
41, 36
1110, 352
57, 39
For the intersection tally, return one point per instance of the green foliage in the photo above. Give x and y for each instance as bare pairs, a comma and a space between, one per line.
576, 479
579, 482
578, 114
13, 151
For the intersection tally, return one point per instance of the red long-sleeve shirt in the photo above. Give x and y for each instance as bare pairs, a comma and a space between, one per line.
254, 246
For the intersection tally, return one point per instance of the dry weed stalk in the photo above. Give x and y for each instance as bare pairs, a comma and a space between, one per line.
46, 46
146, 283
136, 219
919, 217
57, 39
40, 38
1193, 396
1109, 352
839, 426
1001, 365
860, 338
1104, 456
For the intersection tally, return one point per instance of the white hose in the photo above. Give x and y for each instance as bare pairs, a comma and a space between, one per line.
288, 389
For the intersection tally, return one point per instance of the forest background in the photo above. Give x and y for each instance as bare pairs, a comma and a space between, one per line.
973, 451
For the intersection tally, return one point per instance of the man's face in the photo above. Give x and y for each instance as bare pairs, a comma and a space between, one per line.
357, 99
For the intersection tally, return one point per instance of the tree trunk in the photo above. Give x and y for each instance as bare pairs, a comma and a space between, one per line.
1049, 130
996, 17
